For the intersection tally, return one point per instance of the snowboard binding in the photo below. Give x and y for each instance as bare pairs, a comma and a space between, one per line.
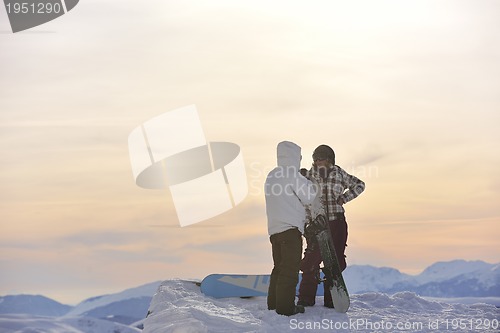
316, 226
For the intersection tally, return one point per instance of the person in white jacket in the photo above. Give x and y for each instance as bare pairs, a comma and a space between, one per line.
287, 191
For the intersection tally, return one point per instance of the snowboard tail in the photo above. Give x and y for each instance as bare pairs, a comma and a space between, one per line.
331, 269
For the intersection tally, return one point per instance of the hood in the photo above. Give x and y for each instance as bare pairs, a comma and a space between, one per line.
289, 154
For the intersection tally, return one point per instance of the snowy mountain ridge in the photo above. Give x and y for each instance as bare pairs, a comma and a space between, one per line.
92, 303
32, 304
458, 278
473, 282
442, 271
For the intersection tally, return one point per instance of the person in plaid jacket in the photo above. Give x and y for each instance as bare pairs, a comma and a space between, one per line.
338, 187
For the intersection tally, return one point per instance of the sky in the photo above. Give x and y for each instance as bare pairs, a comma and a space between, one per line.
405, 92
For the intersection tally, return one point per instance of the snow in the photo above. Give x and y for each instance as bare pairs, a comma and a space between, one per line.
445, 270
142, 291
467, 300
380, 302
360, 278
458, 278
19, 323
180, 307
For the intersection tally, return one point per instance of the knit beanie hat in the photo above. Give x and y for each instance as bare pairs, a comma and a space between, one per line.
324, 152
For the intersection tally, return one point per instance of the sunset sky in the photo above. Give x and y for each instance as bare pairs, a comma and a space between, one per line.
407, 93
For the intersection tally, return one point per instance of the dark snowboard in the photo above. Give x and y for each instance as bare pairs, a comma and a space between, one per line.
340, 296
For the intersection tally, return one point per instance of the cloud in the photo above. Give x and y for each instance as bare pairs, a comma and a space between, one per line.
243, 245
103, 237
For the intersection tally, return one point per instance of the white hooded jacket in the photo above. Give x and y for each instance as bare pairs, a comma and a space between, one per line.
287, 191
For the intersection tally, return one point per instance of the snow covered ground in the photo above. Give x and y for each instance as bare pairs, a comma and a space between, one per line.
180, 307
455, 298
19, 323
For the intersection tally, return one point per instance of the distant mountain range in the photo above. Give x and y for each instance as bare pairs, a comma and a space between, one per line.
458, 278
33, 305
451, 279
126, 307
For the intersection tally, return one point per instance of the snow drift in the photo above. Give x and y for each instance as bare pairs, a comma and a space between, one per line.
179, 306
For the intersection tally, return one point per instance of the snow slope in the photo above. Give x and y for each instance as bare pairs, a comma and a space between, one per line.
22, 323
363, 278
94, 303
125, 307
458, 278
180, 307
32, 304
459, 281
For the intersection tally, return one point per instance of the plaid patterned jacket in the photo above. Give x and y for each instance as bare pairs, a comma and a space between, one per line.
338, 184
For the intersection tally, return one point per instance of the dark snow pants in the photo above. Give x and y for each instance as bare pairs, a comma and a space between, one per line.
312, 259
287, 251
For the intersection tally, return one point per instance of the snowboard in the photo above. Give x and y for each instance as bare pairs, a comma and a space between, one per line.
239, 285
331, 268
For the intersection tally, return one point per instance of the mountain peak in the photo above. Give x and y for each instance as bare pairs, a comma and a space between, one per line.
32, 304
90, 304
448, 269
